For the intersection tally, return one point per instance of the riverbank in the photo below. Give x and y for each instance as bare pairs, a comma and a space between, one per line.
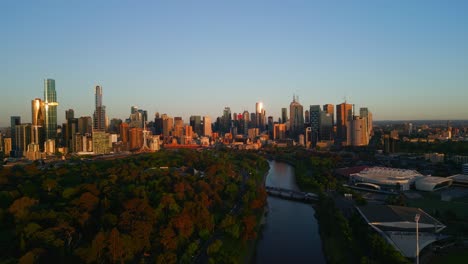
288, 235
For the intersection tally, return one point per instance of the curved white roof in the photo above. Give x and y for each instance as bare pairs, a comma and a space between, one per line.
429, 183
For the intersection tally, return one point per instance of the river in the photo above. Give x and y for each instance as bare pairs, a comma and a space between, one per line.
290, 233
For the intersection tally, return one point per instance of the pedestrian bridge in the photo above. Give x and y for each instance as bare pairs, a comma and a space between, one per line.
291, 195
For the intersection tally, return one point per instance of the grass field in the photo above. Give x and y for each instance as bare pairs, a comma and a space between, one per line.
431, 205
456, 256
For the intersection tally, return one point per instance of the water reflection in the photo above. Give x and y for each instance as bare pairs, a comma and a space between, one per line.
290, 234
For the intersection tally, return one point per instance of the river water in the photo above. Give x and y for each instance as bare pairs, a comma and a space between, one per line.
290, 233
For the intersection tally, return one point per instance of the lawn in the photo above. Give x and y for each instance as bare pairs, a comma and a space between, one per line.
456, 256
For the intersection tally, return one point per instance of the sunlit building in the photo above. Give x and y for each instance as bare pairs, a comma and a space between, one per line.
344, 113
206, 126
50, 109
99, 116
296, 118
279, 131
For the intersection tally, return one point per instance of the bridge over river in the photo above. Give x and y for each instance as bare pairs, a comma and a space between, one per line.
291, 194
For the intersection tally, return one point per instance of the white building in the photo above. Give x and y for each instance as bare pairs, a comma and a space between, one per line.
387, 178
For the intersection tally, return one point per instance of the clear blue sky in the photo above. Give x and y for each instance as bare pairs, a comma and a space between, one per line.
402, 59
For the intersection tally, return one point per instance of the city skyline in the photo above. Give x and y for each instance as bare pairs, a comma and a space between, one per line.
405, 61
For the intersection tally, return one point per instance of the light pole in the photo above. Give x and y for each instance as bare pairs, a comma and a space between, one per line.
416, 219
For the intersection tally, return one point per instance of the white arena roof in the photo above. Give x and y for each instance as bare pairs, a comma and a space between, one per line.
387, 176
430, 183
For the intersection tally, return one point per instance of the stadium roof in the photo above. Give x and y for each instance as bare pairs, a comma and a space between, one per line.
398, 218
431, 183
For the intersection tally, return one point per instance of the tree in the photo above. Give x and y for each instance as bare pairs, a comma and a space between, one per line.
20, 207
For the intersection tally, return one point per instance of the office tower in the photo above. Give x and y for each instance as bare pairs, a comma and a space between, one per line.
196, 124
284, 115
23, 138
260, 116
226, 120
246, 121
99, 117
136, 138
296, 118
69, 114
279, 131
124, 132
307, 117
356, 134
325, 126
367, 115
136, 118
114, 126
178, 127
344, 113
71, 129
270, 126
168, 125
37, 122
314, 123
133, 109
207, 126
158, 124
50, 102
85, 125
14, 121
330, 109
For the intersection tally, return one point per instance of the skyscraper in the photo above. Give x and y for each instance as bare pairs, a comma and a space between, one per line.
14, 121
50, 102
99, 122
207, 126
284, 115
260, 116
329, 109
344, 113
38, 121
296, 118
314, 123
196, 123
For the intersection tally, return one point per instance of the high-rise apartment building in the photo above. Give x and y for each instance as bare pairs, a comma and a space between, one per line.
99, 116
50, 106
344, 113
296, 118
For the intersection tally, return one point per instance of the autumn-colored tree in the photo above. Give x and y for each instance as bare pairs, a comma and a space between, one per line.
115, 246
249, 227
20, 207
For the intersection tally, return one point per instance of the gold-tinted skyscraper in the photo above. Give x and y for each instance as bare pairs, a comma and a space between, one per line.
38, 121
344, 113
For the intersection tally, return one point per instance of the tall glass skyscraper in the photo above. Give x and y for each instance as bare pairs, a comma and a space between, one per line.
50, 101
99, 122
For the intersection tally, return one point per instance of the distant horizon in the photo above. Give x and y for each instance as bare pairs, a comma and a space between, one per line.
404, 60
